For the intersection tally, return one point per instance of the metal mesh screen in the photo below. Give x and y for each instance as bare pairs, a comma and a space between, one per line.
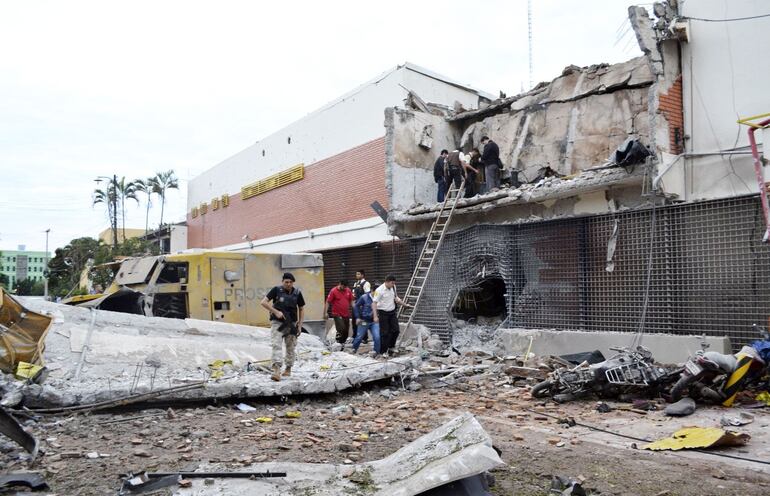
710, 272
396, 257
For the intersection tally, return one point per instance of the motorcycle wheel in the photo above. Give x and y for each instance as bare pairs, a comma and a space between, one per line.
681, 386
542, 389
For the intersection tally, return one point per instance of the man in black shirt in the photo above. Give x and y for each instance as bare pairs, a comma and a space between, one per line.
439, 175
490, 157
286, 306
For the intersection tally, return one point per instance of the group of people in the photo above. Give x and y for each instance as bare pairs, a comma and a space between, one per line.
373, 313
481, 170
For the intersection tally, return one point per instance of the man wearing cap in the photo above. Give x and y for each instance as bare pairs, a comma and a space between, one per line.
286, 306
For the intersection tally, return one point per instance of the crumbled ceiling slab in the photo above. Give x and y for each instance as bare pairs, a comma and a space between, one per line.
118, 355
548, 189
456, 450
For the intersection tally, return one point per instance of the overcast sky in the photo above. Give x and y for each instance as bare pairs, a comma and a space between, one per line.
98, 88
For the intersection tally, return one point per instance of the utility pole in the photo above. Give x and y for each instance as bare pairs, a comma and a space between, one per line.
114, 200
45, 271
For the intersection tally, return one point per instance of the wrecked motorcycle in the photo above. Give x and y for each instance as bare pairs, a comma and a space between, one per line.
627, 371
717, 378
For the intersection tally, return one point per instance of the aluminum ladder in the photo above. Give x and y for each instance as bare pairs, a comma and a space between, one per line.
428, 256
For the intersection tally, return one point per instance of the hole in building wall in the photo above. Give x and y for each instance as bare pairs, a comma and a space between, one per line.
484, 298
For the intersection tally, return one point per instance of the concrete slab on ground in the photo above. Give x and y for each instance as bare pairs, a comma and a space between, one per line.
122, 354
456, 450
666, 348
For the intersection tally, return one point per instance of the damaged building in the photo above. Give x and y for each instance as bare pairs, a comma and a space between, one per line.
589, 241
669, 244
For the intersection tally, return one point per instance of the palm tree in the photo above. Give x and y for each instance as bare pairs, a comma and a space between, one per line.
162, 182
125, 190
146, 186
107, 197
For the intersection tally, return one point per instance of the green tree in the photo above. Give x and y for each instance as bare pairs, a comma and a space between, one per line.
28, 287
161, 183
68, 263
108, 196
147, 187
125, 191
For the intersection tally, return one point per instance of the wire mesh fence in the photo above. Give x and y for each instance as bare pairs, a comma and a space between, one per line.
709, 272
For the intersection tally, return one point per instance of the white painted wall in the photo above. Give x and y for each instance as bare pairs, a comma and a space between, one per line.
353, 119
178, 238
412, 165
349, 234
432, 89
725, 75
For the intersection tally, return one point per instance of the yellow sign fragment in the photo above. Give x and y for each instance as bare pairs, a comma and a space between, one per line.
699, 437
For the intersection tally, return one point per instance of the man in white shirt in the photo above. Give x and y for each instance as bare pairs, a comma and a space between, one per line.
386, 299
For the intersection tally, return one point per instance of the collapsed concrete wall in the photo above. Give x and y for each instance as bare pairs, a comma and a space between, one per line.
570, 124
569, 127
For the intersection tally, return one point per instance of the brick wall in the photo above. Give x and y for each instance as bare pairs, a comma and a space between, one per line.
335, 190
670, 105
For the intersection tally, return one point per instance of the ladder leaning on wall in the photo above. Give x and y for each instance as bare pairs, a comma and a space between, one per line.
428, 256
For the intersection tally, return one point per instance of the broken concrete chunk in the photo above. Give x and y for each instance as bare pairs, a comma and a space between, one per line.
682, 408
455, 451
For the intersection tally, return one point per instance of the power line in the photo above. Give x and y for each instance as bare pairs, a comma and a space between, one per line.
727, 20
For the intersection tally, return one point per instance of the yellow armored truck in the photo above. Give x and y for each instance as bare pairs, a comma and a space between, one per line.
212, 285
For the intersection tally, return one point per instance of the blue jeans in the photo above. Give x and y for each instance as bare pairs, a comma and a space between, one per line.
374, 327
441, 190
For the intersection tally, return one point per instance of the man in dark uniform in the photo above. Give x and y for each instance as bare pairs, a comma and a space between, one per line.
286, 306
439, 176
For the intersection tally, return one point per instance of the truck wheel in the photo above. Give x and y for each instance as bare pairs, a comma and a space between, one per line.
542, 389
681, 387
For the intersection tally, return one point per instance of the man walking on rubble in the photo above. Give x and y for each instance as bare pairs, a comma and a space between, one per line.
341, 300
367, 320
360, 288
439, 175
286, 306
385, 299
490, 157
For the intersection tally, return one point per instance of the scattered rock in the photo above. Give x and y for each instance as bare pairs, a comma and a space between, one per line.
682, 408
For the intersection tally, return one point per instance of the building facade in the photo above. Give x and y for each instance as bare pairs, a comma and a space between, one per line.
106, 235
20, 264
310, 185
670, 243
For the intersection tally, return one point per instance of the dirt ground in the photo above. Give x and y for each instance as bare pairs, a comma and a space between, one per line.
85, 454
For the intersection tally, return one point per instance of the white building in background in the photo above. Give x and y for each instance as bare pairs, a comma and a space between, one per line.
310, 185
725, 75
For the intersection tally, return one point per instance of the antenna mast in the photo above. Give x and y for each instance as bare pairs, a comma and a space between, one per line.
529, 32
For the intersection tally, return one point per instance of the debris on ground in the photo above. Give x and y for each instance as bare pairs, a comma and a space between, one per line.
457, 450
682, 408
736, 420
699, 437
566, 486
97, 356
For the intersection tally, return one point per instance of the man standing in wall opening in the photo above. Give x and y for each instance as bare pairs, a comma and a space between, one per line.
286, 306
385, 298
